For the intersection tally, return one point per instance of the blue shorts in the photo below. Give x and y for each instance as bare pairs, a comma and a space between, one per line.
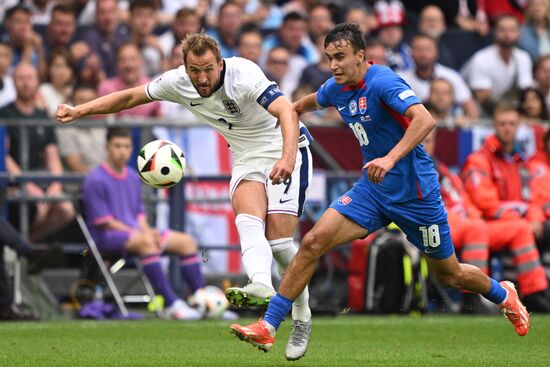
424, 220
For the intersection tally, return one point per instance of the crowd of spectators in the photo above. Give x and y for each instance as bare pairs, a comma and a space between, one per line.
61, 51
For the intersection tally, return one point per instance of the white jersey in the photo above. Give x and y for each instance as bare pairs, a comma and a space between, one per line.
237, 109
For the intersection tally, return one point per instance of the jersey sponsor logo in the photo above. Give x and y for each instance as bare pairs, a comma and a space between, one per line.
231, 106
353, 107
281, 201
341, 108
344, 200
406, 94
195, 104
363, 105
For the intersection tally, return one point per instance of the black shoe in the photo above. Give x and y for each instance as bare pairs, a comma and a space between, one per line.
537, 302
473, 304
13, 313
49, 257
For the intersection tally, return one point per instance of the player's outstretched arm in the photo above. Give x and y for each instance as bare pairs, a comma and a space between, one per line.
110, 103
283, 110
421, 125
306, 104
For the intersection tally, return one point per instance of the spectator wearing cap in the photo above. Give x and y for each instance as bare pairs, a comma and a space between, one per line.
390, 16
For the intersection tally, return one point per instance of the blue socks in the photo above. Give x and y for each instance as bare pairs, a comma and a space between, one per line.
496, 294
279, 307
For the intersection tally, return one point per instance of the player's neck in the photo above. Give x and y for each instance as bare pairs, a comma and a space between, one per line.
358, 77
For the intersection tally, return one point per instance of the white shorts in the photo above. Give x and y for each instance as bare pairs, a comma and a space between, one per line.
286, 198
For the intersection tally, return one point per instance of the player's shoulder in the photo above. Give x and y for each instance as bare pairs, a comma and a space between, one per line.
330, 86
239, 67
380, 72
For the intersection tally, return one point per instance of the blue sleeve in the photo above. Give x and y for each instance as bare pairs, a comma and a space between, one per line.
395, 92
323, 94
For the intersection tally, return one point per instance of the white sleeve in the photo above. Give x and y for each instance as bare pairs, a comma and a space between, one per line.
252, 81
525, 76
164, 87
460, 89
478, 77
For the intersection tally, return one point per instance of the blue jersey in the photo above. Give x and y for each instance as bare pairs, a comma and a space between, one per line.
374, 110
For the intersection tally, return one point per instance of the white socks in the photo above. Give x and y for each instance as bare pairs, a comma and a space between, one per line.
256, 253
284, 251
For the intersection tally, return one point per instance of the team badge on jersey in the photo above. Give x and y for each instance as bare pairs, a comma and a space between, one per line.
353, 107
231, 106
344, 200
363, 105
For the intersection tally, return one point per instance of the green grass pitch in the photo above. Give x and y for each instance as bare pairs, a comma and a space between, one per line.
341, 341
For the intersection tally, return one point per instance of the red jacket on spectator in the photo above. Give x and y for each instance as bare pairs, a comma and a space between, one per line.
454, 195
502, 186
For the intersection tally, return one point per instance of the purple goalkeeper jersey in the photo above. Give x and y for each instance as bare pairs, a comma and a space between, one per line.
110, 195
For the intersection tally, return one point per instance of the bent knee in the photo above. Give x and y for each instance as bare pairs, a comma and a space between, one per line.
312, 245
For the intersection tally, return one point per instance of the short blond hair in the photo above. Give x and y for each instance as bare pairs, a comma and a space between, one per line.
198, 44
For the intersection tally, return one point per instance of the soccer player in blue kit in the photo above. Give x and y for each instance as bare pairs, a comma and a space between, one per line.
399, 184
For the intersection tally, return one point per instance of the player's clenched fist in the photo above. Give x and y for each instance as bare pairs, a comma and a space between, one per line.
65, 114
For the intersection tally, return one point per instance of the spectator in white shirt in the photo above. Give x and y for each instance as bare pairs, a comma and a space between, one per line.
424, 53
500, 70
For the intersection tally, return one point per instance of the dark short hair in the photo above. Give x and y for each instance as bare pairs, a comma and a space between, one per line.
14, 9
347, 32
421, 35
137, 4
118, 132
65, 9
249, 28
294, 16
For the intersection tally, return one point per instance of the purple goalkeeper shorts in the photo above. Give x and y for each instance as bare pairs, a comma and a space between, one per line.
113, 242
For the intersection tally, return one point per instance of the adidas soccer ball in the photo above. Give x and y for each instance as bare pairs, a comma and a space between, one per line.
161, 164
210, 300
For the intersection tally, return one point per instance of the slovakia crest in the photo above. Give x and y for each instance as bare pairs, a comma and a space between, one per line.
231, 106
344, 200
363, 105
353, 107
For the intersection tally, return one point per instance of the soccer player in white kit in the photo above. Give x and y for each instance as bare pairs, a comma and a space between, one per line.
272, 162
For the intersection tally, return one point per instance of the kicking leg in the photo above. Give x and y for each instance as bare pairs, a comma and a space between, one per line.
250, 206
331, 230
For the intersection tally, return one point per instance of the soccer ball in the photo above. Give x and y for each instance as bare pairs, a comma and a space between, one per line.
210, 300
161, 164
